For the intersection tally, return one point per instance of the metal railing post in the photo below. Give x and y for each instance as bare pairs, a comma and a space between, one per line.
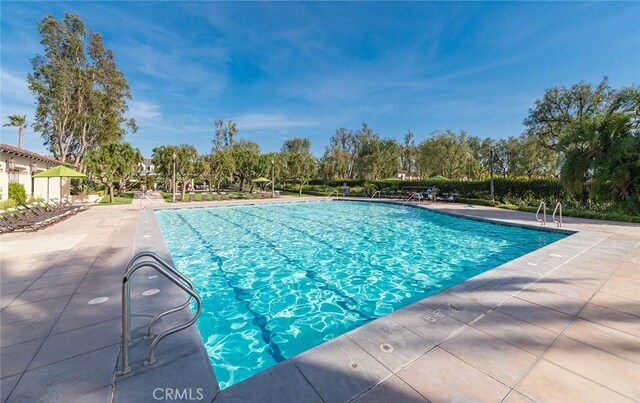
542, 206
411, 197
126, 329
553, 217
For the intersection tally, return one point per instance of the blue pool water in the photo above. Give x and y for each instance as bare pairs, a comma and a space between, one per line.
279, 279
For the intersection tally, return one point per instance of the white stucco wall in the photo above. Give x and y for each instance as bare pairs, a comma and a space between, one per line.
23, 173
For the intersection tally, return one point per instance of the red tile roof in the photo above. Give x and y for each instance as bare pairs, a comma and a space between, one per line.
30, 154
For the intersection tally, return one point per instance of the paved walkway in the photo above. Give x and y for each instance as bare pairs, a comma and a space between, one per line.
559, 324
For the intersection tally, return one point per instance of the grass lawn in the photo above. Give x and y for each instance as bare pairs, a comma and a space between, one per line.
126, 198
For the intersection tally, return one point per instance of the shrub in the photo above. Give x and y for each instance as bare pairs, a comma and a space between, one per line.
9, 203
17, 193
517, 191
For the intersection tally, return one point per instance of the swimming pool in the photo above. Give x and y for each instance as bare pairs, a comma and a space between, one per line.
278, 279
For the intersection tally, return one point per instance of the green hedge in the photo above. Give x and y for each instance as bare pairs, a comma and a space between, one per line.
510, 191
334, 183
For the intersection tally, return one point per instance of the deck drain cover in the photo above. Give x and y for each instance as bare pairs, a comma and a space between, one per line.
386, 347
152, 291
98, 300
354, 366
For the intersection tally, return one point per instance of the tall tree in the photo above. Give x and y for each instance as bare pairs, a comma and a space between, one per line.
602, 153
81, 95
18, 121
162, 158
344, 146
409, 153
187, 165
561, 106
246, 157
301, 167
225, 134
297, 145
221, 165
444, 153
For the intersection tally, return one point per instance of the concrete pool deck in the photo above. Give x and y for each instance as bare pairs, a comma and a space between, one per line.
560, 323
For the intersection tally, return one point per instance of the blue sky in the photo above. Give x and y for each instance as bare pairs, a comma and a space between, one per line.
304, 69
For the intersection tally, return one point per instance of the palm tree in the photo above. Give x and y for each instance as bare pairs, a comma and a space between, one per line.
19, 122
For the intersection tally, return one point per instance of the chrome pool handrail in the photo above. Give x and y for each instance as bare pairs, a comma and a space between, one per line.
411, 197
542, 206
173, 270
334, 191
553, 217
378, 192
126, 311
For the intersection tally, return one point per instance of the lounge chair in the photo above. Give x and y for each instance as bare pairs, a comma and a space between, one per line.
20, 221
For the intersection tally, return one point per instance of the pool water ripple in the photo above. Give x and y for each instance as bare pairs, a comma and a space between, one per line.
279, 279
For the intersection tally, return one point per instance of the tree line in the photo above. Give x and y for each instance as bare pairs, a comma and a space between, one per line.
586, 135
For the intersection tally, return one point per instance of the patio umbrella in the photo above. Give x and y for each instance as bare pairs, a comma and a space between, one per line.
261, 180
60, 171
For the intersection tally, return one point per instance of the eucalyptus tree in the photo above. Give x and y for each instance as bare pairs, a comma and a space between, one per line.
444, 153
301, 167
344, 146
297, 163
221, 166
246, 157
335, 163
81, 95
188, 165
225, 134
377, 158
18, 121
113, 162
297, 145
409, 153
162, 158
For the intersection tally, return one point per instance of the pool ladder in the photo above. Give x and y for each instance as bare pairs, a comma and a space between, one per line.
543, 206
411, 197
177, 278
556, 210
377, 192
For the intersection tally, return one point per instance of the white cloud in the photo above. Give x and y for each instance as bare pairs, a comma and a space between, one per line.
269, 121
142, 110
14, 87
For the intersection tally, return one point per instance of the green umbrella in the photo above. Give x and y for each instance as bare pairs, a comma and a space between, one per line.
261, 180
60, 171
